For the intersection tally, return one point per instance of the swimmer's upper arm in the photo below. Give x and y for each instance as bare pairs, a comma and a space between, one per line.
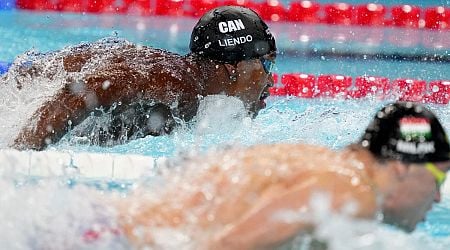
261, 228
73, 103
68, 107
50, 122
116, 82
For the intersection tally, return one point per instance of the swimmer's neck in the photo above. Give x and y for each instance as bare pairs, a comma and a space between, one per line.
382, 174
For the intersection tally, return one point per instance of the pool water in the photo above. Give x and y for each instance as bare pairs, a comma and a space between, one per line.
56, 201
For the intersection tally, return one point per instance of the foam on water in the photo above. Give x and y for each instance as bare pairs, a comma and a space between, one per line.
334, 123
48, 214
19, 101
341, 232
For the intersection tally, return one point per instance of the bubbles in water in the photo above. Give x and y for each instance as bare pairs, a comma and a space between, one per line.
140, 26
220, 114
49, 215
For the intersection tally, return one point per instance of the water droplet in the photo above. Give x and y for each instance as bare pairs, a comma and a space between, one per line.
435, 89
106, 84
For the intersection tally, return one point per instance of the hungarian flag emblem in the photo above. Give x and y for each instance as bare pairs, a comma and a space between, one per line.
414, 128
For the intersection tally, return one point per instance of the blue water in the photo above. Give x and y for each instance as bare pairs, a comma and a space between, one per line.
334, 123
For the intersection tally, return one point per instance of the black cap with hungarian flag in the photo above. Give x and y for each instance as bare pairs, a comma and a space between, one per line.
408, 132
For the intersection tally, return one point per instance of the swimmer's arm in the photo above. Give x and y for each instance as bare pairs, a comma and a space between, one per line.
262, 228
50, 122
72, 105
76, 100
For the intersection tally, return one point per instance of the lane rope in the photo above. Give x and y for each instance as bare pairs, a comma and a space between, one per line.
342, 86
370, 14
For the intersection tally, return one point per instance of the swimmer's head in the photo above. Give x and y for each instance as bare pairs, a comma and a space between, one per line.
407, 132
230, 34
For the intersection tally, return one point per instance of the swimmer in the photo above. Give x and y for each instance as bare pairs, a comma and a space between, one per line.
148, 90
230, 199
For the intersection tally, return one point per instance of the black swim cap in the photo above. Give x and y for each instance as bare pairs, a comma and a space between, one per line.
407, 132
231, 34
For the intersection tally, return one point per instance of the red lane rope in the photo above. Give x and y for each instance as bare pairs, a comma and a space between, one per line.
371, 14
332, 85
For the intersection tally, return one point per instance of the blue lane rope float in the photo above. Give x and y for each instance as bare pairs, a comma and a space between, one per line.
7, 4
4, 66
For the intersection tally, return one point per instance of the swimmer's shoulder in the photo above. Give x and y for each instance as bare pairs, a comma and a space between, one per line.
279, 156
112, 50
291, 150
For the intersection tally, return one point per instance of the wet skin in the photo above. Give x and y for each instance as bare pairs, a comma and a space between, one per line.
253, 83
274, 178
135, 75
413, 196
239, 214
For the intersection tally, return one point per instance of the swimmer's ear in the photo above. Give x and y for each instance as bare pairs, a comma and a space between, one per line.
232, 72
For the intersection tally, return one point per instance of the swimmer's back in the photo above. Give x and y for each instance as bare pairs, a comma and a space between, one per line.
158, 74
239, 184
260, 168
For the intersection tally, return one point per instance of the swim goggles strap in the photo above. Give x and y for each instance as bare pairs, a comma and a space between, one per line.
438, 174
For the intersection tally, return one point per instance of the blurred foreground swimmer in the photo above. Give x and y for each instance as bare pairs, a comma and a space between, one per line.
233, 199
145, 89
